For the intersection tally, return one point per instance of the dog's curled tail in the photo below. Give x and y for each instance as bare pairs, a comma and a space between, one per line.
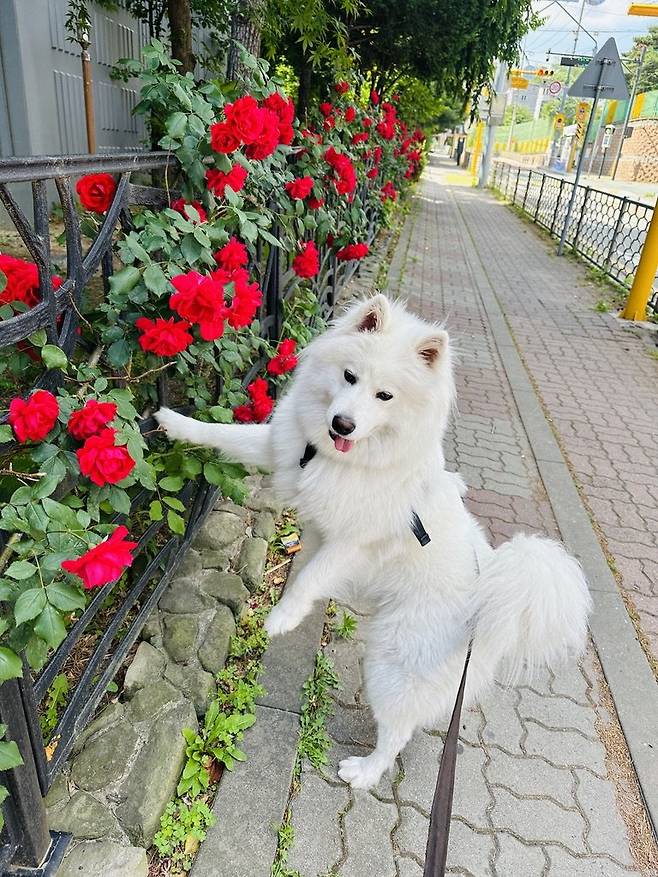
533, 605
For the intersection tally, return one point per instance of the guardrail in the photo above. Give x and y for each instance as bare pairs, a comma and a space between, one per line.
606, 229
26, 841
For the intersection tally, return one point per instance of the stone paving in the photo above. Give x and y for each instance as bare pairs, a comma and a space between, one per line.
544, 785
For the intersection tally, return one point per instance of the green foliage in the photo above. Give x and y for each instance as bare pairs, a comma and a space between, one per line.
347, 627
182, 828
317, 706
285, 842
649, 75
10, 757
55, 700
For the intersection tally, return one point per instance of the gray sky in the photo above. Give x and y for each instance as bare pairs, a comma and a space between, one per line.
608, 19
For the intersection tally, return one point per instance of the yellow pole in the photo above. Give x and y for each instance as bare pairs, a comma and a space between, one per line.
636, 306
477, 149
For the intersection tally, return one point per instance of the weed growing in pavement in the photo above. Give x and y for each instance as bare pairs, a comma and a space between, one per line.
602, 306
314, 742
182, 828
347, 627
285, 841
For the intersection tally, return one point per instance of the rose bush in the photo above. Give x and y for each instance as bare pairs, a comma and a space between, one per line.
184, 302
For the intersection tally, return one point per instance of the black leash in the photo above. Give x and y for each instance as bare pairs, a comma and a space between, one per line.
439, 828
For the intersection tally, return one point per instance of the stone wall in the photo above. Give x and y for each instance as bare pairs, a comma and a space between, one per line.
127, 763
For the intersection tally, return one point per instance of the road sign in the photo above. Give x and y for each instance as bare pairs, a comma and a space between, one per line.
609, 82
580, 131
554, 88
560, 120
607, 136
582, 111
574, 60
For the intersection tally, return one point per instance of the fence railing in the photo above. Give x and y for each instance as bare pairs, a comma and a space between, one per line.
606, 229
25, 840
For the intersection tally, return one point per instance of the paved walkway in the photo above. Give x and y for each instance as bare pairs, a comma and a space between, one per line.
545, 782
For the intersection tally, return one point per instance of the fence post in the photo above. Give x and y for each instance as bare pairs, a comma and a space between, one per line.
516, 184
615, 233
527, 186
27, 814
541, 192
580, 218
557, 205
645, 273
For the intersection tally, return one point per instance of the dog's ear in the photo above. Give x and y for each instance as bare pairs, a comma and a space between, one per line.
433, 348
371, 315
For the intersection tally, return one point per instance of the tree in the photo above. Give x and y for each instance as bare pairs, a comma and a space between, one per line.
649, 75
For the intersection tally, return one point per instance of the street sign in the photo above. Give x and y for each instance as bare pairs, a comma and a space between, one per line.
560, 120
554, 88
603, 76
519, 82
574, 60
582, 111
607, 137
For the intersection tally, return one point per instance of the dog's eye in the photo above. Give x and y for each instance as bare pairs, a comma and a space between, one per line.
384, 396
349, 377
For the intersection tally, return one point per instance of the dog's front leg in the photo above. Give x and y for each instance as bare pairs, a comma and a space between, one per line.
325, 575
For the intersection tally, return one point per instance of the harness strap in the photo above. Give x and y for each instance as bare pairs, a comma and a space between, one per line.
416, 524
439, 828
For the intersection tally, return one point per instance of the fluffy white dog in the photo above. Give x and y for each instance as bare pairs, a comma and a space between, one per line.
355, 446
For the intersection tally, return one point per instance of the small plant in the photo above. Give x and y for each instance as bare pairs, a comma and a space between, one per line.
182, 829
347, 627
602, 306
9, 757
653, 354
314, 742
286, 839
56, 698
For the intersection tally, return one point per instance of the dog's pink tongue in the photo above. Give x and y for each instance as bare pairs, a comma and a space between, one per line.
342, 444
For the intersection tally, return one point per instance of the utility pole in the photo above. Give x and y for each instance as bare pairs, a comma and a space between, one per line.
499, 84
629, 108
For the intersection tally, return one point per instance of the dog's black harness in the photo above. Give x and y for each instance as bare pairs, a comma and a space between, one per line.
416, 524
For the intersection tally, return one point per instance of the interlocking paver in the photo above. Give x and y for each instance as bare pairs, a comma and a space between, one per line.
533, 796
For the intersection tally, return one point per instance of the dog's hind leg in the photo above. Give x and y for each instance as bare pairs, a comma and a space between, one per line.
248, 443
393, 733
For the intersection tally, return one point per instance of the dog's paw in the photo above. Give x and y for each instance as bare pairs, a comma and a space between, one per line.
281, 620
360, 773
174, 424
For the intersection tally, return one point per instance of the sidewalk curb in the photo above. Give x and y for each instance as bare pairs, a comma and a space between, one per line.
624, 663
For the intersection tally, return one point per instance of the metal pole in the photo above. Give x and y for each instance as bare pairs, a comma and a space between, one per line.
498, 86
563, 96
629, 109
605, 152
560, 250
88, 91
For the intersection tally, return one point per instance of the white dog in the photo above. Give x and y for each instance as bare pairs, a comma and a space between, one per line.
355, 446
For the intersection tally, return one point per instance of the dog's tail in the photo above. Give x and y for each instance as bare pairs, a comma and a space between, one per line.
248, 443
533, 605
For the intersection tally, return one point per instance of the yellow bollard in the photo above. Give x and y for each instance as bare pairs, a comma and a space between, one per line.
636, 306
477, 149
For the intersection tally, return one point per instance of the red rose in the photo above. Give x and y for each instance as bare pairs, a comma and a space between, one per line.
300, 188
315, 203
163, 337
361, 137
389, 191
232, 255
96, 191
342, 87
261, 404
268, 140
180, 205
372, 173
102, 461
285, 360
200, 299
90, 419
326, 109
223, 138
367, 122
105, 563
33, 419
307, 262
329, 123
247, 298
350, 114
218, 180
285, 110
344, 169
245, 118
374, 97
353, 251
22, 281
386, 129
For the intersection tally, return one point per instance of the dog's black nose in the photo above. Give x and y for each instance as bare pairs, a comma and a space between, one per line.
342, 425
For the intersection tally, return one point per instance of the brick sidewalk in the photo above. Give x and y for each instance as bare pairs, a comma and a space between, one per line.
544, 783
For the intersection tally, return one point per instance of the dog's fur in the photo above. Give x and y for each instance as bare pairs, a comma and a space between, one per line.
525, 603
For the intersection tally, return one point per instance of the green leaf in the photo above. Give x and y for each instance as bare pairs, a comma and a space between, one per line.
30, 604
38, 338
53, 356
65, 596
172, 483
120, 500
118, 353
176, 523
6, 433
155, 510
3, 281
155, 280
50, 627
11, 666
21, 569
10, 755
191, 249
176, 125
173, 503
123, 281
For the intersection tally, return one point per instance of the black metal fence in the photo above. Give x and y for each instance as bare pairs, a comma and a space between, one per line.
26, 841
606, 229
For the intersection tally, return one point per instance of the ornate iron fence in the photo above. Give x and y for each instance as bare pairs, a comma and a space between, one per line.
26, 841
606, 229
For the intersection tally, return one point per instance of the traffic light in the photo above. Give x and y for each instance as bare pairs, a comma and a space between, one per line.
545, 72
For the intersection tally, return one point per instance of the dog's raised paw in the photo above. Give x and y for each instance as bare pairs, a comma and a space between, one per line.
360, 773
280, 621
171, 422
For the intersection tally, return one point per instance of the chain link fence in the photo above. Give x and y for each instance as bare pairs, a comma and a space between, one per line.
608, 230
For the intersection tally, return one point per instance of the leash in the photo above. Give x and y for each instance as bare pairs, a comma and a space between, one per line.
439, 829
